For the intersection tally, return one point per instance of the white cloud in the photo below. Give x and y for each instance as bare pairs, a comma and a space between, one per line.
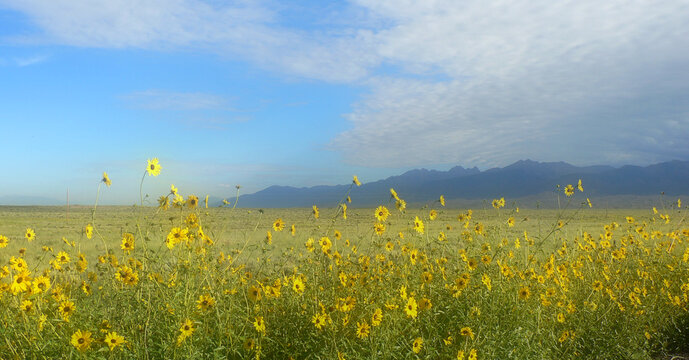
24, 61
154, 99
236, 29
194, 109
31, 60
579, 81
470, 82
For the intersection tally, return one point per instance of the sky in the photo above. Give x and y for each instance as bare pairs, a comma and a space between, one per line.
265, 92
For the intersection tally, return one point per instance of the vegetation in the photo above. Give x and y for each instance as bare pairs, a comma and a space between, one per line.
182, 280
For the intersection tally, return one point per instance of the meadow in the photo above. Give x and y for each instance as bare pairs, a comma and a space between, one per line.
180, 280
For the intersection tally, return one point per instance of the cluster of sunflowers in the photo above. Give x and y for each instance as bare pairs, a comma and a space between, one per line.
340, 289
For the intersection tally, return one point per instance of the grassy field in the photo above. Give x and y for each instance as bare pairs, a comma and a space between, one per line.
431, 282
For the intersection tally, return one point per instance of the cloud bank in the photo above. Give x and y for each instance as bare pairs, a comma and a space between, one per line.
465, 82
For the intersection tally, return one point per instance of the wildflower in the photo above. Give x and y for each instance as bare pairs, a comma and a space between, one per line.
66, 309
418, 225
41, 284
326, 244
163, 202
185, 331
417, 345
192, 220
377, 317
293, 230
472, 264
569, 190
30, 234
472, 355
401, 205
278, 225
153, 168
424, 304
127, 242
411, 308
254, 293
479, 228
393, 193
82, 263
442, 200
260, 325
466, 331
4, 241
205, 302
356, 181
485, 279
379, 229
298, 285
249, 344
205, 202
89, 231
86, 288
106, 179
510, 221
26, 306
319, 320
41, 321
581, 188
18, 264
560, 317
413, 255
316, 213
62, 257
382, 213
565, 335
192, 201
175, 236
524, 293
433, 215
389, 246
269, 237
589, 202
113, 340
126, 275
362, 330
81, 340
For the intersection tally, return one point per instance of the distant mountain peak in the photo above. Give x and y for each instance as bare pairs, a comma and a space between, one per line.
522, 178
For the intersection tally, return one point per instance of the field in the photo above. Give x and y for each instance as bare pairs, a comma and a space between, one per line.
393, 282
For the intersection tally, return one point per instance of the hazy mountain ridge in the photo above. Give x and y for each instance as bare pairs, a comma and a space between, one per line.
522, 179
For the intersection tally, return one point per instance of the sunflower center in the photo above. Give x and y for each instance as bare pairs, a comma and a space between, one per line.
81, 340
19, 280
153, 167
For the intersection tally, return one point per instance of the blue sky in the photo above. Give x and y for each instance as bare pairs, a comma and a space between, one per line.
265, 92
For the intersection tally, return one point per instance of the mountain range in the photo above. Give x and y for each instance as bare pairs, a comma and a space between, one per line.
524, 179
